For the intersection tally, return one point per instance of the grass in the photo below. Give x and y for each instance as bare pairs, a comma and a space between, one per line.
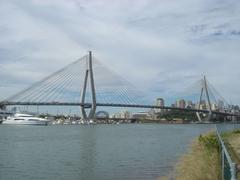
202, 162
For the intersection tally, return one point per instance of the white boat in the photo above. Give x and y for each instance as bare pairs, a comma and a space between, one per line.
24, 119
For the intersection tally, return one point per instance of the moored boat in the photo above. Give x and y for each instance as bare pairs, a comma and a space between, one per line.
24, 119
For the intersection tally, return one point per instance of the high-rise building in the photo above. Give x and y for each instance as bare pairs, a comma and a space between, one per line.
220, 104
214, 107
202, 105
160, 103
181, 103
189, 105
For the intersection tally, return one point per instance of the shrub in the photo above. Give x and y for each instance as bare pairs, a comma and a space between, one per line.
210, 141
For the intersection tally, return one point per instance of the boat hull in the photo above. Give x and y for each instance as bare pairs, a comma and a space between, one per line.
41, 123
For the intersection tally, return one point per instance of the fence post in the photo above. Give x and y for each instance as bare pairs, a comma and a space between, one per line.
223, 163
233, 171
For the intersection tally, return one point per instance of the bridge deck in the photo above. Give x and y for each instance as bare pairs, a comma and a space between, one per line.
89, 105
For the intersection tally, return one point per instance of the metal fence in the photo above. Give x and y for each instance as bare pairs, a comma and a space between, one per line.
229, 168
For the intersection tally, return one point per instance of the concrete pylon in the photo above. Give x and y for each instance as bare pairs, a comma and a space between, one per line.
204, 88
88, 73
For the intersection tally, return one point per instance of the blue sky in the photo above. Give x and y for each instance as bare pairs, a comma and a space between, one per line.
161, 46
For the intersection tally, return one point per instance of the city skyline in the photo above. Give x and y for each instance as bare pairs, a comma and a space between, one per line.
165, 45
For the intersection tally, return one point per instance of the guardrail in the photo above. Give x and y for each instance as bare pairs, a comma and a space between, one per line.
228, 167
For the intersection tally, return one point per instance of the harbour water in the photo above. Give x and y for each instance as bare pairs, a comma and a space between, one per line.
98, 152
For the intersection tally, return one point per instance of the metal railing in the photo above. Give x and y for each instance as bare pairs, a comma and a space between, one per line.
228, 167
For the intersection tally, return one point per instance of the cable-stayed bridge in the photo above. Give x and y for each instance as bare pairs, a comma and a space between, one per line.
89, 84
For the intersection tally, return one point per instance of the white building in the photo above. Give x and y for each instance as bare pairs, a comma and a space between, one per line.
125, 114
214, 107
181, 103
140, 115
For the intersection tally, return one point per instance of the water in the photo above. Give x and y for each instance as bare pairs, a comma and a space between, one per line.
101, 152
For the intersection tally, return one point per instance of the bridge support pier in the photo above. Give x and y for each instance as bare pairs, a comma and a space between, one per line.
88, 73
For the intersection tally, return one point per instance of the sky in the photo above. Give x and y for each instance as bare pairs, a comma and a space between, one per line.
160, 46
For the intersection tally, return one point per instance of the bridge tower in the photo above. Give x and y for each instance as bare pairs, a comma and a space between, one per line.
204, 89
88, 73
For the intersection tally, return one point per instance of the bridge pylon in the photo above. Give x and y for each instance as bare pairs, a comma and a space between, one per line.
204, 89
88, 75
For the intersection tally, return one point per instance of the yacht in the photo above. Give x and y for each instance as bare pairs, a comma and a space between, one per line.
24, 119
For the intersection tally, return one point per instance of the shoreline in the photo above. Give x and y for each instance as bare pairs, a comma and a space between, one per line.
201, 160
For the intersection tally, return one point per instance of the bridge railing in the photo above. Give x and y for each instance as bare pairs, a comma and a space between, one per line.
228, 167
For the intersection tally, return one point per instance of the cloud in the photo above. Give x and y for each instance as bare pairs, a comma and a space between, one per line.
165, 44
